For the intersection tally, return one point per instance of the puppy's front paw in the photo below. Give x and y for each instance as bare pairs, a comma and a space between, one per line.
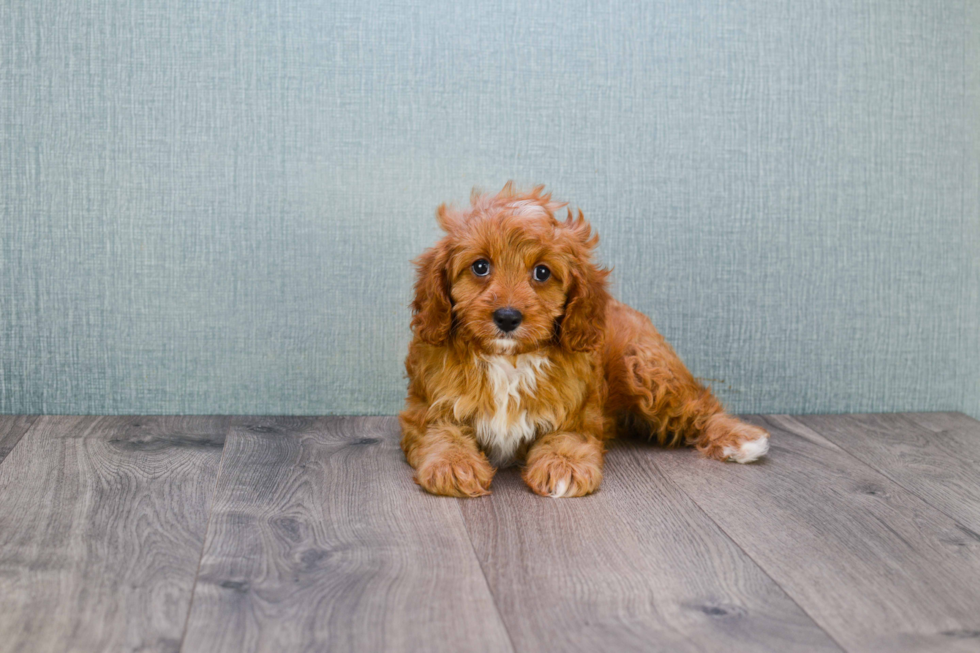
553, 474
733, 440
455, 473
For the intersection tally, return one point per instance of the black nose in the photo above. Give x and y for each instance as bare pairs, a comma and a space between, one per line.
507, 319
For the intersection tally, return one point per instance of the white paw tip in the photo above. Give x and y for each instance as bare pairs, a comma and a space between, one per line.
748, 451
560, 489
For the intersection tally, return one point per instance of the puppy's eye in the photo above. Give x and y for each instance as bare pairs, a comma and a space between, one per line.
481, 268
541, 273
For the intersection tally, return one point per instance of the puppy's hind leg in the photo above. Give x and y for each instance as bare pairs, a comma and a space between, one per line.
649, 382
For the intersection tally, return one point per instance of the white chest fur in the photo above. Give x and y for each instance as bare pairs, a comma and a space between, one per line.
502, 431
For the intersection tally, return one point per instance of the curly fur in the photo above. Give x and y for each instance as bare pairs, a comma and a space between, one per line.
579, 369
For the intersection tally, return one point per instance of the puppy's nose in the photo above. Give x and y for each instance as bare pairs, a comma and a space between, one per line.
507, 319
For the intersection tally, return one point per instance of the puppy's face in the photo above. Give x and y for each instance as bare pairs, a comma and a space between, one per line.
509, 281
510, 278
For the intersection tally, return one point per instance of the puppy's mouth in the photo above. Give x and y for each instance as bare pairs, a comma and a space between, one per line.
504, 344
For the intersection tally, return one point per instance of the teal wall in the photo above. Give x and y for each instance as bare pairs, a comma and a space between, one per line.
210, 207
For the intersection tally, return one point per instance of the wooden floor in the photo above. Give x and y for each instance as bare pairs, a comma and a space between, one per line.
858, 533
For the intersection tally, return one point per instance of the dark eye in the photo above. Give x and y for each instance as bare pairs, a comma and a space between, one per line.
541, 273
481, 268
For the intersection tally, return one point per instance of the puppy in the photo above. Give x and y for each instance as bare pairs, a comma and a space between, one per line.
520, 354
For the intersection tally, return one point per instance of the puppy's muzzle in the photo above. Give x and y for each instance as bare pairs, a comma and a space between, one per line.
507, 319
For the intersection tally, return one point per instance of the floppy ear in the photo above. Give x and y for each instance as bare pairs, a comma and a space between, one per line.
432, 307
585, 308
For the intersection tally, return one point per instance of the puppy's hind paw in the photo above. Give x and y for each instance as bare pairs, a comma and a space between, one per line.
748, 451
730, 439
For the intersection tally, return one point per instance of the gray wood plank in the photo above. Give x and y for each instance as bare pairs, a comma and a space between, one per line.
636, 566
933, 455
102, 524
319, 540
872, 563
12, 429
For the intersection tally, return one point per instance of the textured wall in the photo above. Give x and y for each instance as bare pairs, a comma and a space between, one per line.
211, 206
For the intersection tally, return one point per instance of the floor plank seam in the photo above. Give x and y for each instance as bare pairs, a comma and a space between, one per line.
884, 473
761, 568
207, 532
33, 422
486, 581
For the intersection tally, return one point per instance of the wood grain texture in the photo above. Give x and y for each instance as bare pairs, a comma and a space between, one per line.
319, 540
102, 524
12, 429
877, 567
636, 566
933, 455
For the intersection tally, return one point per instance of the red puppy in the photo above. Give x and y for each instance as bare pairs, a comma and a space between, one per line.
521, 354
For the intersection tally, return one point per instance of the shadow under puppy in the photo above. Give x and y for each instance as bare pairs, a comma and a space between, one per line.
520, 353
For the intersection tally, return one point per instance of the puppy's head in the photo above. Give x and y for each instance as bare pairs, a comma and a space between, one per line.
509, 277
